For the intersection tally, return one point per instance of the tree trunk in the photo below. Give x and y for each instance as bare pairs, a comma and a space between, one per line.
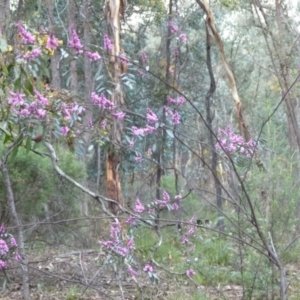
279, 58
17, 223
113, 10
73, 62
4, 16
54, 64
242, 124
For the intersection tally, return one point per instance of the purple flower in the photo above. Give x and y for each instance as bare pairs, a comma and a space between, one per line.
131, 221
149, 129
93, 56
103, 124
151, 116
161, 203
2, 228
174, 116
90, 123
26, 36
32, 54
3, 265
177, 102
108, 244
24, 112
173, 27
183, 37
130, 244
102, 102
13, 242
148, 268
119, 115
18, 257
115, 229
40, 98
75, 42
166, 196
16, 99
107, 43
184, 239
144, 57
40, 113
139, 208
131, 271
123, 251
138, 159
52, 42
141, 73
178, 197
3, 247
175, 206
123, 58
64, 130
190, 272
137, 131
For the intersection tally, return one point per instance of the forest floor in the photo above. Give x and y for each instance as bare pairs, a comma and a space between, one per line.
78, 275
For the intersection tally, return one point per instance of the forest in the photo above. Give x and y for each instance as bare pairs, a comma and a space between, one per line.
149, 149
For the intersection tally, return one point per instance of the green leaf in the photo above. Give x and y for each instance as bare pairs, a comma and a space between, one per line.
28, 144
14, 153
29, 87
5, 70
170, 133
3, 128
18, 84
3, 45
7, 138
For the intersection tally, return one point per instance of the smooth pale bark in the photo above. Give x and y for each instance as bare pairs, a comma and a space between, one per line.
73, 62
17, 223
243, 127
54, 64
279, 56
113, 10
4, 16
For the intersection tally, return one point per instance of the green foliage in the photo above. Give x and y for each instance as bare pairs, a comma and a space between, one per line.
35, 184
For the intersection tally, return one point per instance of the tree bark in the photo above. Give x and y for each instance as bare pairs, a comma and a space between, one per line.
113, 10
54, 64
4, 16
242, 124
17, 223
73, 62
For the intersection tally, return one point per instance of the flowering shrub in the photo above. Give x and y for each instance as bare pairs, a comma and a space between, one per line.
232, 143
8, 247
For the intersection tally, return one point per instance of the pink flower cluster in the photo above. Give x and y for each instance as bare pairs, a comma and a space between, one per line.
8, 246
116, 243
93, 56
174, 29
107, 43
179, 101
52, 42
25, 109
102, 102
26, 36
35, 53
151, 116
173, 115
190, 232
143, 131
144, 57
75, 42
231, 143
